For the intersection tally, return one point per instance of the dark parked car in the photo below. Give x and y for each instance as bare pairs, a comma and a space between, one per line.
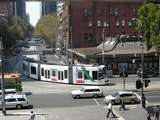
147, 73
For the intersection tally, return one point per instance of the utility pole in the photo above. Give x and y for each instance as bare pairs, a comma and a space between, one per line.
2, 80
142, 61
124, 82
103, 45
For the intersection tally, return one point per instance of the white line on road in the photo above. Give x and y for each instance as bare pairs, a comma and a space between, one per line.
96, 102
119, 117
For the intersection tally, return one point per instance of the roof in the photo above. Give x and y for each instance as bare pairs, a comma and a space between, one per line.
91, 87
11, 76
88, 51
14, 96
122, 92
126, 48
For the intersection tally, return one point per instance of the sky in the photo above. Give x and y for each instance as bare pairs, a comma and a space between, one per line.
34, 11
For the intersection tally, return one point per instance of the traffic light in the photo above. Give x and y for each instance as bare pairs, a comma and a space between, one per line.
138, 84
146, 82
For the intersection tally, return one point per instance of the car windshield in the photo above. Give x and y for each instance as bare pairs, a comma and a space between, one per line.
115, 94
82, 89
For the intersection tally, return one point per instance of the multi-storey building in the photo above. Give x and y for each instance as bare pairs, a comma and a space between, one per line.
6, 9
96, 26
88, 19
49, 7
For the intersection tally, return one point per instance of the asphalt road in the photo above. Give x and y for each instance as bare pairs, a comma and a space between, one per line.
62, 100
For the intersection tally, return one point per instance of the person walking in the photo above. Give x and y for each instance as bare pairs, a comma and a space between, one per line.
148, 116
110, 110
32, 115
122, 104
157, 110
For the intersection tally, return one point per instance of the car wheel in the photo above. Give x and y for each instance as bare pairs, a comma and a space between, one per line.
19, 106
77, 96
132, 102
95, 95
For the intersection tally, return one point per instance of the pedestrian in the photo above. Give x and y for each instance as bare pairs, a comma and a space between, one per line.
148, 116
32, 115
157, 112
122, 106
110, 110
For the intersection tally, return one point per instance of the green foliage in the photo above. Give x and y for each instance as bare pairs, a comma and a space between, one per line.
148, 22
47, 28
15, 29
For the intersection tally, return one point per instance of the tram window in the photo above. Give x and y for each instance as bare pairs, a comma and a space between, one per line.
42, 71
86, 75
94, 74
48, 74
53, 73
65, 74
80, 74
59, 75
45, 73
33, 70
24, 67
100, 75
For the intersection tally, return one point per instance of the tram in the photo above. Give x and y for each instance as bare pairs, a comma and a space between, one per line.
75, 74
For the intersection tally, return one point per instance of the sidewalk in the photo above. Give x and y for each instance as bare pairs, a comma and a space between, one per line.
132, 113
19, 115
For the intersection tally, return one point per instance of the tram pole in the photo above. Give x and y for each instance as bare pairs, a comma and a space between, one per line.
2, 80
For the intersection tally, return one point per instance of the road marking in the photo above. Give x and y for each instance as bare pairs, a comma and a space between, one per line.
96, 102
119, 117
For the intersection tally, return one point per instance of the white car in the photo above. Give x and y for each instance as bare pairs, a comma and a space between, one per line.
16, 101
127, 96
87, 91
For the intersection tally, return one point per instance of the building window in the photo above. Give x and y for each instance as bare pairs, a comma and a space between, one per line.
105, 24
104, 12
129, 23
90, 24
133, 22
117, 23
98, 23
89, 12
116, 12
134, 12
111, 12
90, 36
123, 23
123, 13
86, 36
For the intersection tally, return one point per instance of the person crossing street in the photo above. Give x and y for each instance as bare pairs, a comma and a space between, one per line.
110, 110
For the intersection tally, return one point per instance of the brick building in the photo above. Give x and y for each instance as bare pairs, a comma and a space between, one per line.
89, 22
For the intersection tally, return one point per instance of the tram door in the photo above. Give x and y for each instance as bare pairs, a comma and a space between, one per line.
47, 74
60, 75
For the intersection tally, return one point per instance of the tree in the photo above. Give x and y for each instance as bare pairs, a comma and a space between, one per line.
148, 22
15, 29
47, 28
